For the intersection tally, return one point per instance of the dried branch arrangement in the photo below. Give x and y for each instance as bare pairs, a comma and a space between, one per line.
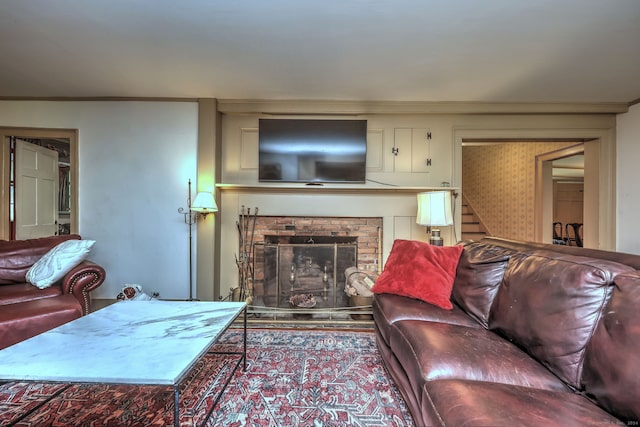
246, 226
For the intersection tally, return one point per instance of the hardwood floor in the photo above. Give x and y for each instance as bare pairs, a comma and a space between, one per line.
97, 304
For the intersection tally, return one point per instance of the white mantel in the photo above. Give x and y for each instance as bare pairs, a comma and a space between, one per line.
329, 188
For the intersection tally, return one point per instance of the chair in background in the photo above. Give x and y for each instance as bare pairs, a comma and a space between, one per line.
557, 234
573, 233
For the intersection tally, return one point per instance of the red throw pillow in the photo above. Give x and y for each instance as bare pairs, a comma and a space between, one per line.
419, 270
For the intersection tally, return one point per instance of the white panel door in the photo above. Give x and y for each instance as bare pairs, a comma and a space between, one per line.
420, 150
36, 191
402, 150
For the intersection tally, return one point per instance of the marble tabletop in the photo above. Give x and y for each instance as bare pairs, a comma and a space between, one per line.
129, 342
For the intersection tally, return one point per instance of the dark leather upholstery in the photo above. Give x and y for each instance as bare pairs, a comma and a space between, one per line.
480, 271
474, 403
472, 351
394, 308
550, 304
562, 345
610, 374
19, 322
17, 256
25, 310
21, 292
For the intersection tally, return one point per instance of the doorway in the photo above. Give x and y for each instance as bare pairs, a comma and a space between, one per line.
568, 200
498, 183
574, 172
599, 182
64, 143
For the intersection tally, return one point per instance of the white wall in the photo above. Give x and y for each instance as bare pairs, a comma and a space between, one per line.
135, 159
627, 194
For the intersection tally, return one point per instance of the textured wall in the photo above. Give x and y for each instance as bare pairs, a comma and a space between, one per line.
499, 182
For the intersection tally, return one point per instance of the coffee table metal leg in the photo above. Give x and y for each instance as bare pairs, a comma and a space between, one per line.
243, 360
244, 356
176, 408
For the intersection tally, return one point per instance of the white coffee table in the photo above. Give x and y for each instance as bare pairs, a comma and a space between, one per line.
131, 342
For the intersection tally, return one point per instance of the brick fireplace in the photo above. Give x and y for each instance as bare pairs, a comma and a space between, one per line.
307, 255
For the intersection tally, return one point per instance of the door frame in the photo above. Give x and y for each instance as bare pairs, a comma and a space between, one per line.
599, 150
5, 165
543, 204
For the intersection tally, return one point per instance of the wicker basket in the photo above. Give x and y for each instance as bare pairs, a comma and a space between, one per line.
363, 304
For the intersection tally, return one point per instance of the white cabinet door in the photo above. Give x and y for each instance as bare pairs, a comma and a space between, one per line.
420, 150
36, 191
411, 148
402, 150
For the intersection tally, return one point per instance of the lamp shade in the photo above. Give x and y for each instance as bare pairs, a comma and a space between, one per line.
434, 208
204, 203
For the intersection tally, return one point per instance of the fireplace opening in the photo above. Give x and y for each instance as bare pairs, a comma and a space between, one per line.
298, 265
303, 276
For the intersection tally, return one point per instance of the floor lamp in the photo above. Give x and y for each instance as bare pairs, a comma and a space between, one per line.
202, 205
434, 210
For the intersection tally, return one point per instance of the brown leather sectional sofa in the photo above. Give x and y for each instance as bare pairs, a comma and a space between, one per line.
26, 310
540, 335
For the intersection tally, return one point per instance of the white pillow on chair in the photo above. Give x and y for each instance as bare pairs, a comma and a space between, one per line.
58, 261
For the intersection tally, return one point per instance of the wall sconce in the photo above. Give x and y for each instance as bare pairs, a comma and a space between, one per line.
203, 204
434, 210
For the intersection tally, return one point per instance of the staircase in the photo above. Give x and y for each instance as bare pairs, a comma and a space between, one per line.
472, 228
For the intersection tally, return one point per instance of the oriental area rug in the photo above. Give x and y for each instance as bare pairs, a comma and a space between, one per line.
294, 377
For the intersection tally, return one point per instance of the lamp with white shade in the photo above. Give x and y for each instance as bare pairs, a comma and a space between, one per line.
434, 210
202, 205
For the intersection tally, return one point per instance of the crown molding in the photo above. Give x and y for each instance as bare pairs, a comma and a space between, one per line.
353, 108
359, 108
97, 98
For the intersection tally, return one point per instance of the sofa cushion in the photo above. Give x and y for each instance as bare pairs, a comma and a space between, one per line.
389, 308
21, 292
24, 320
476, 403
613, 354
480, 271
550, 304
430, 351
419, 270
398, 374
17, 256
58, 261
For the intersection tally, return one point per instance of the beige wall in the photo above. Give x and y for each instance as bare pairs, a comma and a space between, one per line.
499, 183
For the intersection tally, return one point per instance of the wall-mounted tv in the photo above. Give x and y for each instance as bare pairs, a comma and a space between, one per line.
312, 150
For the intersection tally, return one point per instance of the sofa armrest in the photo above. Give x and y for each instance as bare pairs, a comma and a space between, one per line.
81, 280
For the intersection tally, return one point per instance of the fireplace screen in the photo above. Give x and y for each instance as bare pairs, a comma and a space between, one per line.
307, 278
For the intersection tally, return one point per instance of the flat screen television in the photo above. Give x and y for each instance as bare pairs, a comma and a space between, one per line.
312, 150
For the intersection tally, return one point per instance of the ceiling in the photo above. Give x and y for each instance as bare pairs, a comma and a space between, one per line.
569, 168
376, 50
